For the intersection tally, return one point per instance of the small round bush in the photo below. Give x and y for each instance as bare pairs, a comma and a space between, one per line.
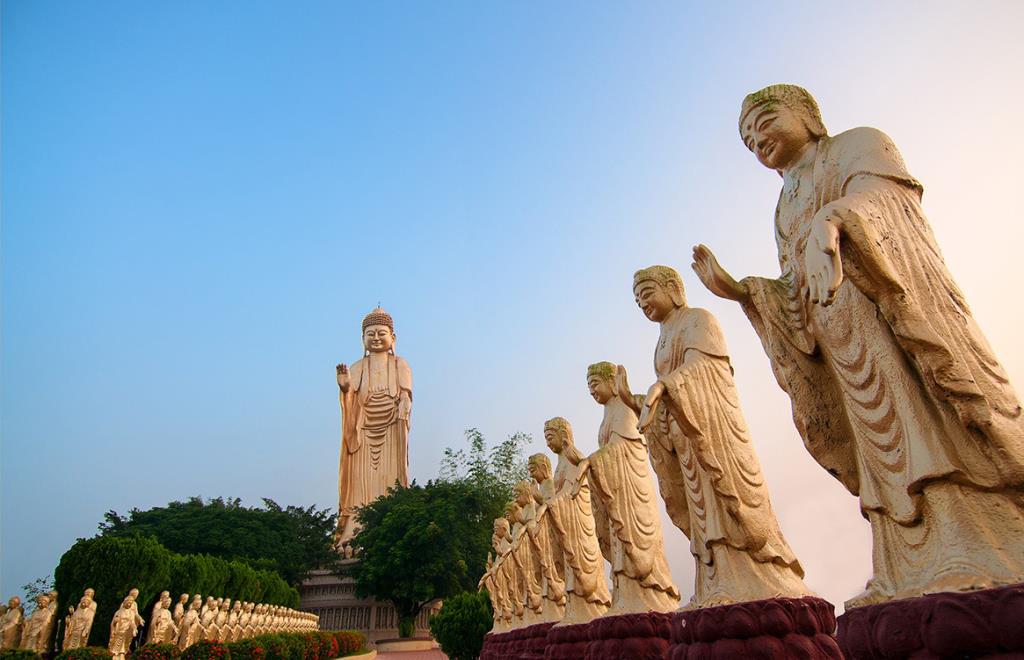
461, 624
155, 652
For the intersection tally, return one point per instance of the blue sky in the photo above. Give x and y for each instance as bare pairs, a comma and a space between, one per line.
201, 200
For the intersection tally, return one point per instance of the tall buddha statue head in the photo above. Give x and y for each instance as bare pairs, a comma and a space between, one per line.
378, 332
777, 124
658, 291
601, 381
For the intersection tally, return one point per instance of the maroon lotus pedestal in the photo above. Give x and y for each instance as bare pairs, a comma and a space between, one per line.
629, 637
976, 624
520, 644
774, 629
567, 642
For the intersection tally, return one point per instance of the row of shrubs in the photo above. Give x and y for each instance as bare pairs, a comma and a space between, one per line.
277, 646
114, 565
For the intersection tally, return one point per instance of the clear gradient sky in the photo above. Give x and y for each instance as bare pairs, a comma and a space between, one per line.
201, 200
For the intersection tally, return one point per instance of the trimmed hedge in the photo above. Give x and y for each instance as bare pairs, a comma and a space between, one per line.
86, 653
113, 565
155, 652
19, 654
299, 646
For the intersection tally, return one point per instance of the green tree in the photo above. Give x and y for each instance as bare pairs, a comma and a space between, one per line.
290, 541
492, 473
462, 623
422, 543
418, 544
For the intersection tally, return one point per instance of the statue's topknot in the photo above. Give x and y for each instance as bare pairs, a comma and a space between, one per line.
378, 317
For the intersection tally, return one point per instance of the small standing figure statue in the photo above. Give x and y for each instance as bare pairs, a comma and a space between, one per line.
190, 630
179, 609
572, 518
545, 543
894, 388
77, 633
709, 475
124, 626
33, 635
626, 496
161, 624
376, 404
11, 624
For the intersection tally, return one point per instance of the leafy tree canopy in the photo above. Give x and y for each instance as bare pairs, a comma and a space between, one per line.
422, 543
290, 541
492, 473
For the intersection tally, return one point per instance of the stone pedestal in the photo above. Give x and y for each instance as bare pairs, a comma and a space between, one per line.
778, 628
334, 599
520, 644
634, 636
976, 624
567, 642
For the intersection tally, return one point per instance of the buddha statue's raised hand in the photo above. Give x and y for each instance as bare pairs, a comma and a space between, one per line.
343, 381
714, 277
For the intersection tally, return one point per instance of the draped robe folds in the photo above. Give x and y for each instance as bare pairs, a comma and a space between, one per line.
375, 442
895, 390
122, 631
528, 568
625, 492
708, 472
548, 553
572, 521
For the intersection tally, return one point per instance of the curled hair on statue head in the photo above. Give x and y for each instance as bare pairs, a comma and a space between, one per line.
667, 278
792, 97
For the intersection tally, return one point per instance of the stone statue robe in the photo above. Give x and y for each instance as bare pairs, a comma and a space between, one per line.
627, 498
548, 552
123, 628
33, 635
80, 626
895, 390
189, 629
527, 567
10, 628
572, 519
375, 442
708, 472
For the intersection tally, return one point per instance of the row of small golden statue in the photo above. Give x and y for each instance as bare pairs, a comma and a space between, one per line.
184, 625
33, 632
895, 392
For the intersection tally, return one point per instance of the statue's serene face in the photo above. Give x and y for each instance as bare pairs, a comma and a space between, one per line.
537, 472
554, 440
654, 300
775, 134
378, 339
600, 388
43, 602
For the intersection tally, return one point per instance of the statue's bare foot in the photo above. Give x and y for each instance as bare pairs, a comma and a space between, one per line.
958, 580
870, 596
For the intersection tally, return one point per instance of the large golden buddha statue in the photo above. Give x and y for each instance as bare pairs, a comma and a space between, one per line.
376, 401
895, 390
